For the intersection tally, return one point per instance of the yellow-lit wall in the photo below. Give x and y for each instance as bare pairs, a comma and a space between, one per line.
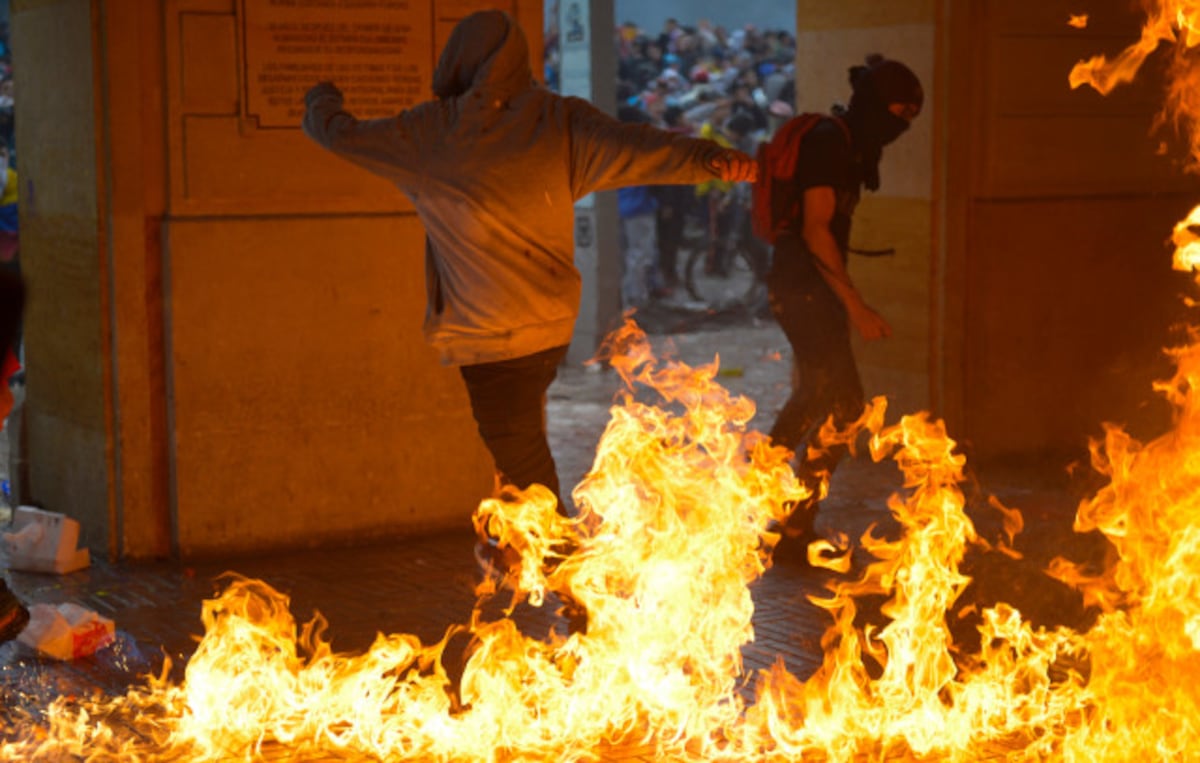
832, 37
66, 342
225, 350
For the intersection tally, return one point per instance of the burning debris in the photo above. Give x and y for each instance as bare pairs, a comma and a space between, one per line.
676, 523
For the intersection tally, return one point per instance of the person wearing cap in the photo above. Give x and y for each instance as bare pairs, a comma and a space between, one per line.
493, 165
821, 174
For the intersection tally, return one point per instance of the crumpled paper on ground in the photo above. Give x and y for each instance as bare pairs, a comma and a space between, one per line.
66, 631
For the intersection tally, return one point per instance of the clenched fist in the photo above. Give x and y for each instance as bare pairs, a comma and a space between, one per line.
323, 90
734, 166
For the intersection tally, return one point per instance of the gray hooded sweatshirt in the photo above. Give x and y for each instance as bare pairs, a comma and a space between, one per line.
493, 167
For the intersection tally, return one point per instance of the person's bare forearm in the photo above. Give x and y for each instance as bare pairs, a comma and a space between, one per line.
828, 257
869, 324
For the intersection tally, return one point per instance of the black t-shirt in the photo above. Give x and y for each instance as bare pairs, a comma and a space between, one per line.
825, 159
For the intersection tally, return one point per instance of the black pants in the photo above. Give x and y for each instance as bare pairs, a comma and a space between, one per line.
508, 400
825, 380
670, 228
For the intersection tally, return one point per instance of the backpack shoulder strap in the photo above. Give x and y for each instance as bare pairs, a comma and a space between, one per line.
840, 122
777, 162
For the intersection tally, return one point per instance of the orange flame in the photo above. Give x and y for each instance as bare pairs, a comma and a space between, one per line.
677, 518
675, 525
1146, 647
920, 702
1176, 22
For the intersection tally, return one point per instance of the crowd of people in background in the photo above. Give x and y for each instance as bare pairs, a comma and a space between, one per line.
10, 368
6, 90
733, 86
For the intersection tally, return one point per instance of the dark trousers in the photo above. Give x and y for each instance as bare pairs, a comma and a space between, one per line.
825, 379
671, 220
508, 400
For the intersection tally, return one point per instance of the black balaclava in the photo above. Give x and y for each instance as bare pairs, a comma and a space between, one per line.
876, 85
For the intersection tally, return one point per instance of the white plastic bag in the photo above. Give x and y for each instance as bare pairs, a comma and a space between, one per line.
66, 631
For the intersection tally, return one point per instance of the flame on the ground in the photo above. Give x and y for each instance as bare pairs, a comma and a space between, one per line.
897, 690
676, 523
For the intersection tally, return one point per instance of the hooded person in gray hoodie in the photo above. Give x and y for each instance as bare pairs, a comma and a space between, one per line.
494, 164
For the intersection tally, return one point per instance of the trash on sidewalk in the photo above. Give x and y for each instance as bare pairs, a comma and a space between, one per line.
66, 631
44, 541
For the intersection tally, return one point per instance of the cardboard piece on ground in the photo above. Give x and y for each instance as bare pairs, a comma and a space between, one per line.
44, 541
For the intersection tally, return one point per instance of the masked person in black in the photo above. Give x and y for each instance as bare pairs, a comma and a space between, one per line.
817, 170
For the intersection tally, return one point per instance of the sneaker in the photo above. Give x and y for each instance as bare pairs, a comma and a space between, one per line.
13, 615
499, 561
574, 613
795, 535
494, 559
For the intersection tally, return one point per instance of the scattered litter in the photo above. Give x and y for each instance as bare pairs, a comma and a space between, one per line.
66, 631
44, 541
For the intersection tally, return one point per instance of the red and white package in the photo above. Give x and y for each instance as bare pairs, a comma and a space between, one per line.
66, 631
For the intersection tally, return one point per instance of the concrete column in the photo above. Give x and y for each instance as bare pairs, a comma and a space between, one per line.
68, 408
223, 341
588, 70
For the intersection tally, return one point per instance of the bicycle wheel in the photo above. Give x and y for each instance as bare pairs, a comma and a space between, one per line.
735, 284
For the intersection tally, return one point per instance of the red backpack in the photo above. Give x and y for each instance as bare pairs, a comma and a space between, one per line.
774, 203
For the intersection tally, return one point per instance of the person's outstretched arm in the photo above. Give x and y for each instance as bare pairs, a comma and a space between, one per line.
607, 154
380, 145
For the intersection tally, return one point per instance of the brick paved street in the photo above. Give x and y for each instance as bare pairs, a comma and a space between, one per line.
422, 585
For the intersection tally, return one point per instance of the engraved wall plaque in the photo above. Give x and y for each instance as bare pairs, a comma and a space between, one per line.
378, 51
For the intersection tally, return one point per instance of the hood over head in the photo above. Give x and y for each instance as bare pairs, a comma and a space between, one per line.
486, 52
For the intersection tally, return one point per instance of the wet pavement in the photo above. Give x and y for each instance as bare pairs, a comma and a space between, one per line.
422, 585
